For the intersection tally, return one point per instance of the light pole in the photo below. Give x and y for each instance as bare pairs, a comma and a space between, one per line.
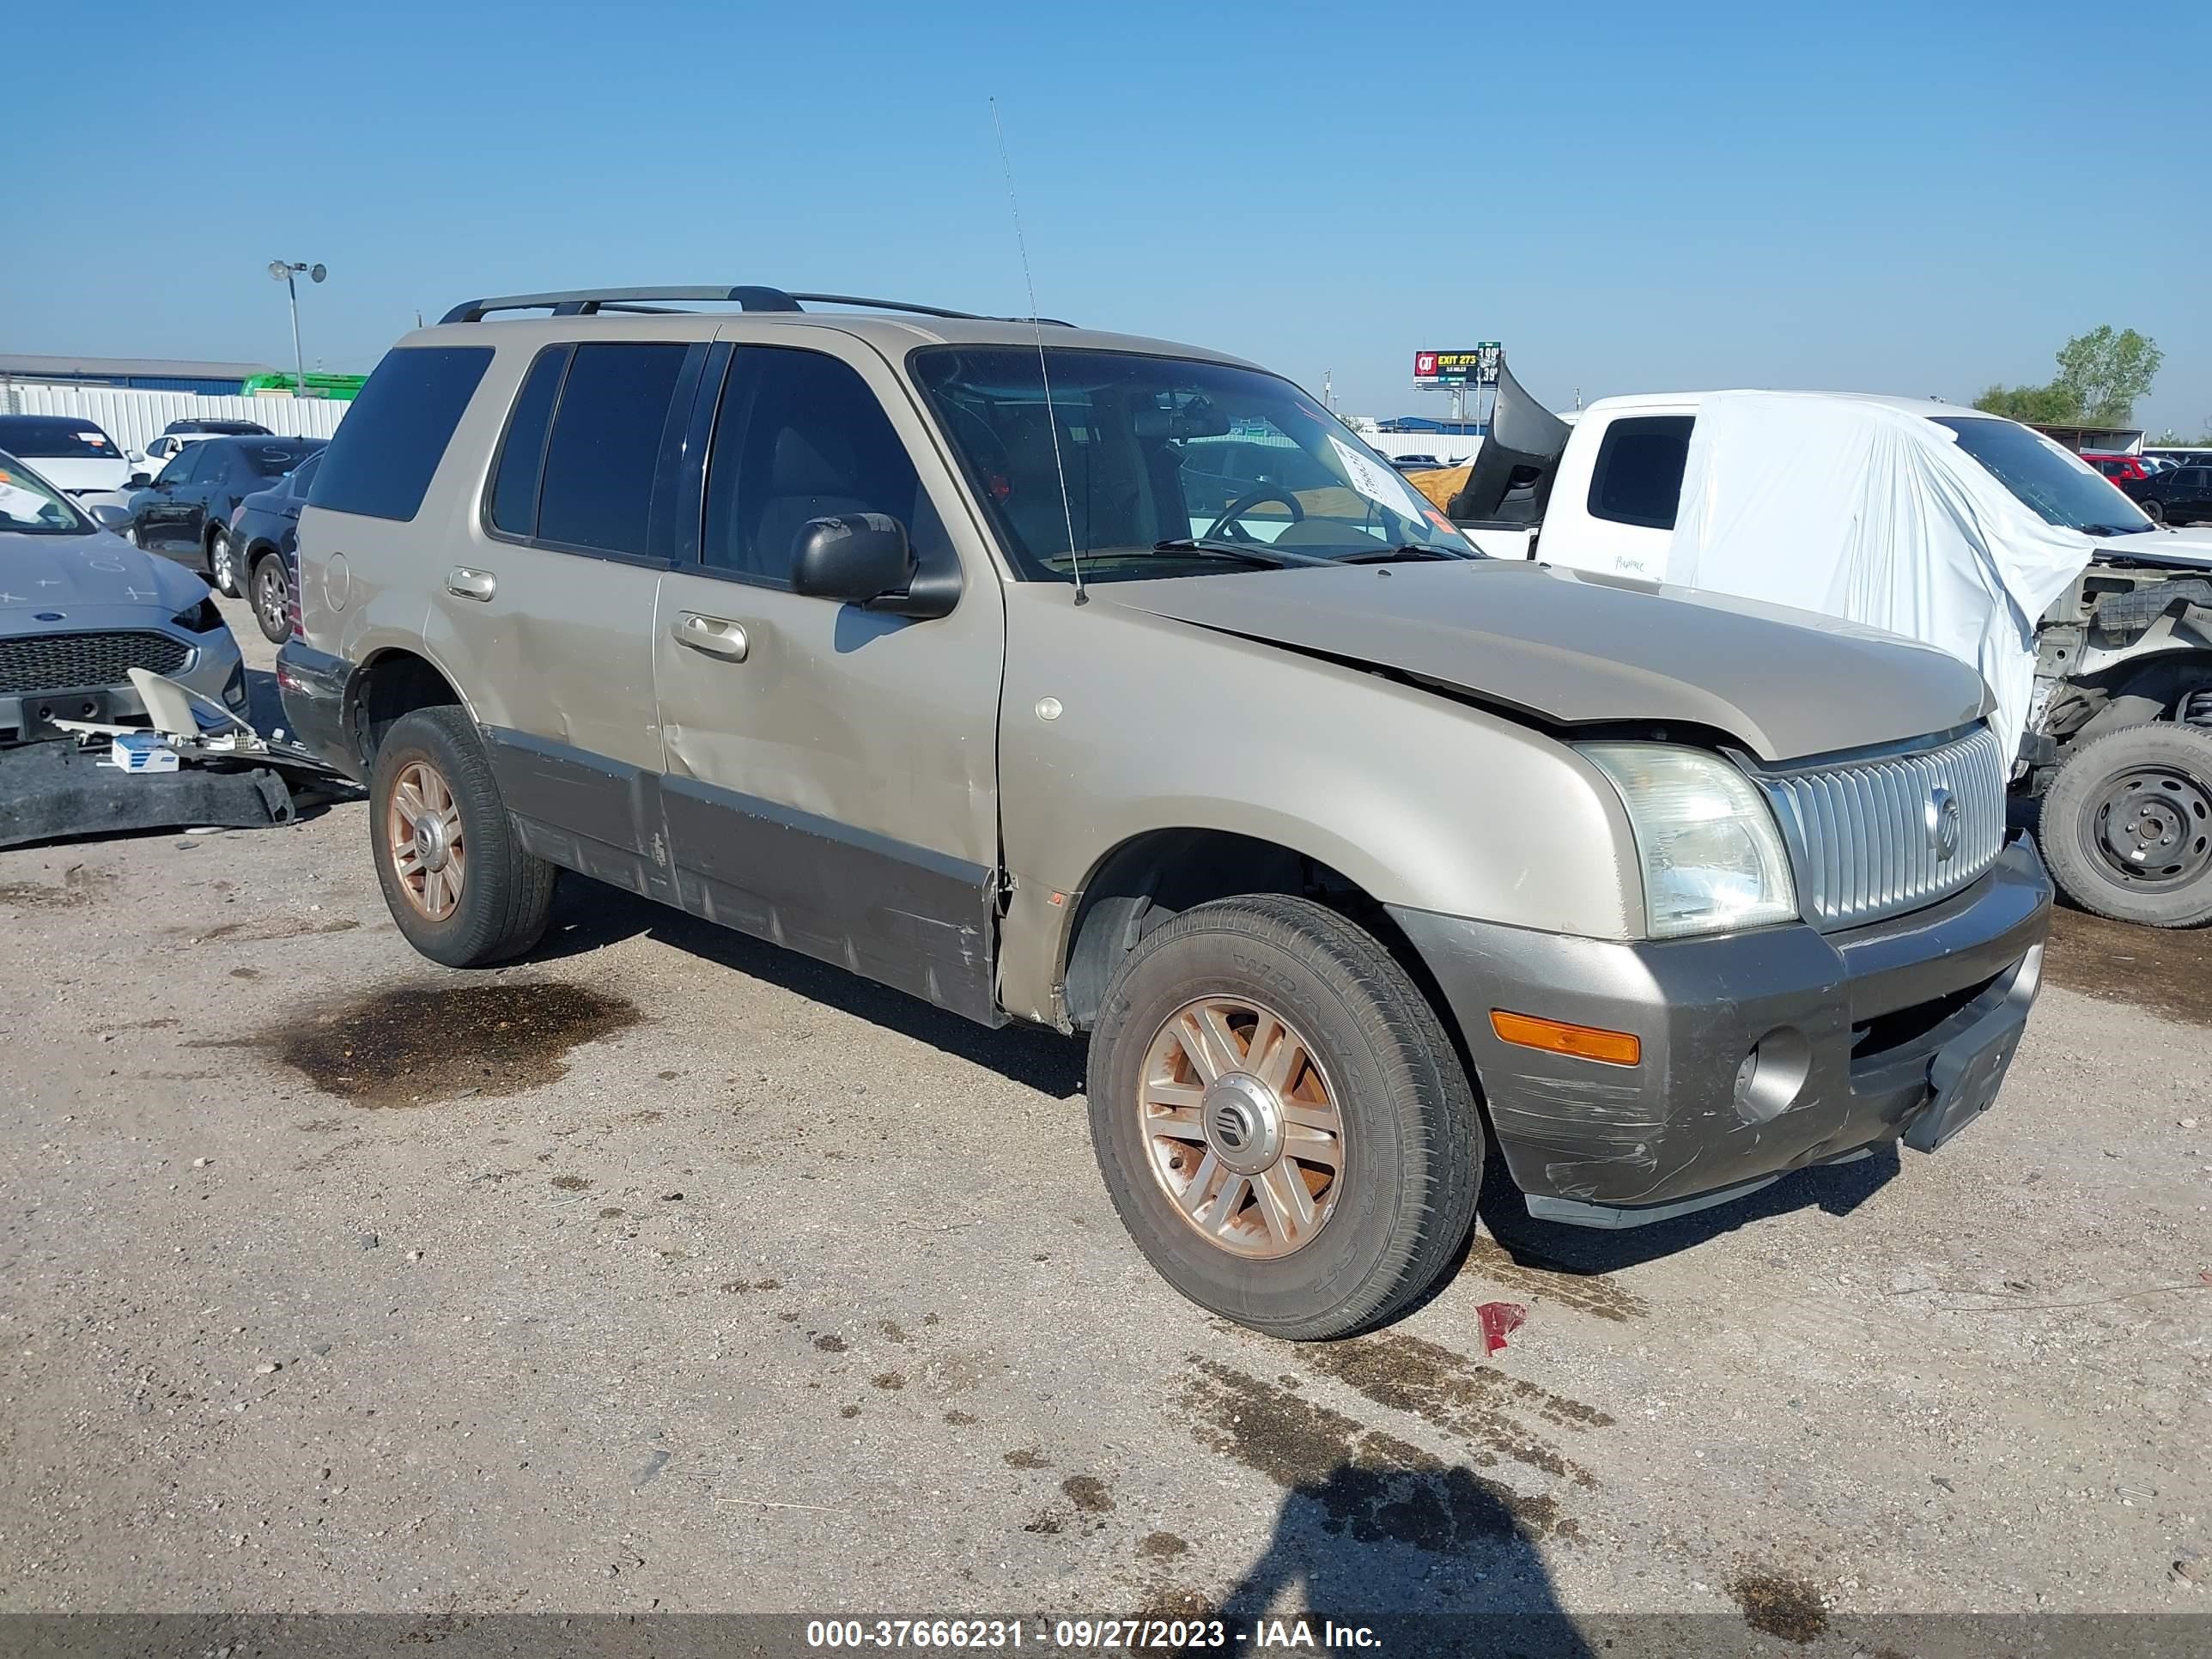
288, 275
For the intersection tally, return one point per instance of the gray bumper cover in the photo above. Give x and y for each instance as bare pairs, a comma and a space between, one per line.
1846, 1027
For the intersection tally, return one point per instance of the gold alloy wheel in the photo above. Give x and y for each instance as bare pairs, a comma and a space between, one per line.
423, 827
1240, 1126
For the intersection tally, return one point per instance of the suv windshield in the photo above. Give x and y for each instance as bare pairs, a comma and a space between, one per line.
29, 506
1173, 466
2057, 488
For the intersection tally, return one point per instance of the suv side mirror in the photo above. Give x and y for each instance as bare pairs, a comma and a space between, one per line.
860, 558
140, 481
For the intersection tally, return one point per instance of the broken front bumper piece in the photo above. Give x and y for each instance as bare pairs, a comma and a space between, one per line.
219, 773
1761, 1053
56, 791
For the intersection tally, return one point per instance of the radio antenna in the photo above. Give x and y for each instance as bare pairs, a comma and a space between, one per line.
1044, 370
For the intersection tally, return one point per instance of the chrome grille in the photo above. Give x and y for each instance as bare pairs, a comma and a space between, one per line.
79, 662
1860, 834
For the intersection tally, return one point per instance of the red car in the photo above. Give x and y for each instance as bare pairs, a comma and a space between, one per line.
2130, 472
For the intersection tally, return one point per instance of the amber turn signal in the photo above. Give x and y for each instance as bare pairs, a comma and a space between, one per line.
1557, 1037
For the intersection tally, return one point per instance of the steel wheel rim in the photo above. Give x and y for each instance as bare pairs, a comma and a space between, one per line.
1239, 1126
423, 827
2152, 828
268, 589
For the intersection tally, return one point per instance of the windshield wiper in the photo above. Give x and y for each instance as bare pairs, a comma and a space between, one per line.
2114, 528
1260, 558
1403, 553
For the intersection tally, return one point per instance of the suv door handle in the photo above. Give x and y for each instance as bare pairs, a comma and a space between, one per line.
718, 637
464, 583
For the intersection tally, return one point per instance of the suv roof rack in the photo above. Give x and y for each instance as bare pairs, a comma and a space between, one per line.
588, 301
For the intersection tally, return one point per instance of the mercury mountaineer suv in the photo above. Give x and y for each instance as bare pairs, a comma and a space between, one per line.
1111, 684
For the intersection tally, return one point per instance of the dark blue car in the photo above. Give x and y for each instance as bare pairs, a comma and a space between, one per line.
265, 530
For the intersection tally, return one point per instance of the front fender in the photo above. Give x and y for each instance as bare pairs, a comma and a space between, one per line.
1418, 799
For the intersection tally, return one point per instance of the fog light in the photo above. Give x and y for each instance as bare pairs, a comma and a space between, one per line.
1772, 1075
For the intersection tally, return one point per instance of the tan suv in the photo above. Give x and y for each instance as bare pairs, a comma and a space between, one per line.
1073, 677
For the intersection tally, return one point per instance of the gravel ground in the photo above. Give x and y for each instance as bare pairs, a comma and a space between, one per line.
665, 1271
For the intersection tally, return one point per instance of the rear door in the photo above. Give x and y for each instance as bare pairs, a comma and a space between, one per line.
832, 775
164, 508
2190, 496
548, 606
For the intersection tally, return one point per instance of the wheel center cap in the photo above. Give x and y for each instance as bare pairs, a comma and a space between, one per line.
1243, 1122
430, 843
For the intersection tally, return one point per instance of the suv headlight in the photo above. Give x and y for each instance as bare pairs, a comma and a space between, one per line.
1712, 855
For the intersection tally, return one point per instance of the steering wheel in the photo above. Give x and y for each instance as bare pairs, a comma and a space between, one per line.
1226, 524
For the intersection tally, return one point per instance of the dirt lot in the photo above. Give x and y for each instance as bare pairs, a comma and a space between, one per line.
666, 1271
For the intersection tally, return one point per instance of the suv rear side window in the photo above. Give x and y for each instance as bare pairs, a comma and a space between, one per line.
605, 446
389, 444
522, 451
800, 436
1638, 476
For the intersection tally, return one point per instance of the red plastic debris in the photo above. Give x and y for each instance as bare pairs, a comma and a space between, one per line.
1497, 1318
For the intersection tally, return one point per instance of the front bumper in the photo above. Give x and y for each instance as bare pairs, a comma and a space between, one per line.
215, 670
1762, 1052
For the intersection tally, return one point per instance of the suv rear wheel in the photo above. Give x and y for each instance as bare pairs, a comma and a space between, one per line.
2127, 826
1281, 1121
454, 875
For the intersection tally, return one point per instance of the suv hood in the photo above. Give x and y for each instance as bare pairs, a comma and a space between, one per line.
1578, 649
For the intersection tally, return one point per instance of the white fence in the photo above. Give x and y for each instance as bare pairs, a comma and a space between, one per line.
134, 418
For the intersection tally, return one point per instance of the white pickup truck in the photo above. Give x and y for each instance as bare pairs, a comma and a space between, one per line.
2091, 624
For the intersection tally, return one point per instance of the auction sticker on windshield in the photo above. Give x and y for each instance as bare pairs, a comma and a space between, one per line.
1380, 484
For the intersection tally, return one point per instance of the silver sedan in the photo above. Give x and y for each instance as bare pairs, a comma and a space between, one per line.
80, 607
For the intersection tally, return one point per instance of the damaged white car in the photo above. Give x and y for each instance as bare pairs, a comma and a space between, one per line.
2091, 623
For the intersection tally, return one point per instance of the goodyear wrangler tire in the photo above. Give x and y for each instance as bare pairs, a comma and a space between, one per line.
1281, 1120
454, 875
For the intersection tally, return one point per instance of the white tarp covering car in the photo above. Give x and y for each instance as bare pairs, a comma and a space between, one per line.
1969, 533
1859, 509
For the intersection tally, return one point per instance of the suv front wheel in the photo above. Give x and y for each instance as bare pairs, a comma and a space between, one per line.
1281, 1121
454, 874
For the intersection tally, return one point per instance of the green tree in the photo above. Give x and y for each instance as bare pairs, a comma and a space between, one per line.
2106, 372
2038, 405
2101, 375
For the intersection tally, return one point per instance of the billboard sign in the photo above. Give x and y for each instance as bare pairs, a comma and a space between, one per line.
1432, 370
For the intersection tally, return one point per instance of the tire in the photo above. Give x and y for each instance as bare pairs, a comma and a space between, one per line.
2154, 510
269, 591
223, 563
1391, 1219
500, 895
2146, 788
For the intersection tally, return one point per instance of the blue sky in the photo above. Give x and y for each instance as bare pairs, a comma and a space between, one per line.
1918, 199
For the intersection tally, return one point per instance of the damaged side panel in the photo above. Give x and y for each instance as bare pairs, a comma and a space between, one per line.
916, 920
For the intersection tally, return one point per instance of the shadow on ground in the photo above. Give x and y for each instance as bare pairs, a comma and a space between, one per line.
1372, 1539
588, 914
1837, 1188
